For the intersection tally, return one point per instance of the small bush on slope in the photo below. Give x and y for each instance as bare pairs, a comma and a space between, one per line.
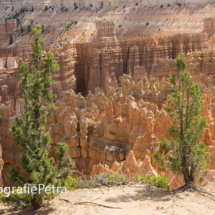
103, 179
157, 181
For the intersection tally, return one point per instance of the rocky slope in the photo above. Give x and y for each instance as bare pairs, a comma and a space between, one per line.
124, 40
115, 130
118, 58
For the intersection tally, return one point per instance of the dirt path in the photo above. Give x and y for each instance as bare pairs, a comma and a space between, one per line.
135, 200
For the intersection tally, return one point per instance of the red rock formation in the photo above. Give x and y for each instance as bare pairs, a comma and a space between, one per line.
122, 118
6, 29
111, 131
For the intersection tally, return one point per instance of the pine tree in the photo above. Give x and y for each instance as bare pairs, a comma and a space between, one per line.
187, 154
29, 129
11, 39
22, 30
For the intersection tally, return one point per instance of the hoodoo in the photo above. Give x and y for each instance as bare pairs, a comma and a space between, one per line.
114, 57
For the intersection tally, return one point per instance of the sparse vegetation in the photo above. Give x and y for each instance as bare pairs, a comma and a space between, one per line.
106, 179
120, 26
29, 28
64, 9
102, 179
22, 29
43, 28
157, 181
69, 26
75, 6
161, 6
147, 23
136, 4
18, 15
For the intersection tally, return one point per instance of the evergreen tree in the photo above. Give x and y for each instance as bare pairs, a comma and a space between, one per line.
29, 28
11, 39
22, 30
29, 129
43, 28
187, 154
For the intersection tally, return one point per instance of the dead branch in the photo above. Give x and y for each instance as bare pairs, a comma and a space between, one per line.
204, 191
77, 203
175, 202
171, 180
91, 201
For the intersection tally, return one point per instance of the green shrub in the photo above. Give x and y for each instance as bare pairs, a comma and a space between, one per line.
136, 4
161, 6
157, 181
120, 26
109, 179
83, 183
70, 184
23, 197
103, 179
29, 28
147, 23
28, 197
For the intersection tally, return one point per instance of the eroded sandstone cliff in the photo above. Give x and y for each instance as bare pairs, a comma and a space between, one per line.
118, 58
113, 130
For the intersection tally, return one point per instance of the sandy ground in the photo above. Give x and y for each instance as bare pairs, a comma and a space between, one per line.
132, 200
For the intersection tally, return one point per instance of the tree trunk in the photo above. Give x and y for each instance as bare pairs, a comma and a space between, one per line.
38, 201
188, 177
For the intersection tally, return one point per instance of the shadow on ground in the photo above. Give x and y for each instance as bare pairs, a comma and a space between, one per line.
142, 194
10, 211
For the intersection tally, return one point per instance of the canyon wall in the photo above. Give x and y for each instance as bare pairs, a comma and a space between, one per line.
113, 130
118, 58
91, 58
6, 29
73, 4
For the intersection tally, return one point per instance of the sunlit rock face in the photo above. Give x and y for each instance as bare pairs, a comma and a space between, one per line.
112, 130
111, 88
94, 4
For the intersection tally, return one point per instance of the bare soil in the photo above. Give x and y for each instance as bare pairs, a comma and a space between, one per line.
135, 200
